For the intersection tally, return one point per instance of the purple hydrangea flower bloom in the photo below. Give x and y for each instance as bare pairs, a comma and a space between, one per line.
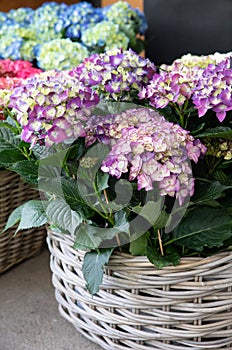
149, 149
116, 74
52, 107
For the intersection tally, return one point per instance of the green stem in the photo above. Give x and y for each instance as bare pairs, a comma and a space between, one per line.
180, 114
105, 216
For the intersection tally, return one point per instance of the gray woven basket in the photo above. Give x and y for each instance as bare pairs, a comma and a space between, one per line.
141, 308
27, 243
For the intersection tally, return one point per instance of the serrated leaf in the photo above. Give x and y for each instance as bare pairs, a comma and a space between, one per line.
60, 213
8, 138
87, 237
203, 227
32, 215
27, 169
14, 218
93, 268
93, 237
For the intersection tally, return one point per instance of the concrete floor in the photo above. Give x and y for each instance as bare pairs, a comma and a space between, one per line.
29, 317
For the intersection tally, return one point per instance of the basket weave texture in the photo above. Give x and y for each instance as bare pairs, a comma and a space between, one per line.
27, 243
141, 308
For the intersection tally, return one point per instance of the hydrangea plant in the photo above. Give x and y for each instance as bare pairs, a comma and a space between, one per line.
125, 158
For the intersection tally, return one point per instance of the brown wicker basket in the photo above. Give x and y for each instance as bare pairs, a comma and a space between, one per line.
141, 308
27, 243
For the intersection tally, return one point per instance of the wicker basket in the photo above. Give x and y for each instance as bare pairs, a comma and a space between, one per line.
141, 308
27, 243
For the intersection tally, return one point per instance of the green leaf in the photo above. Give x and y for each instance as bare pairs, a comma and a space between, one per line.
30, 214
161, 220
87, 237
8, 157
217, 132
14, 218
33, 215
139, 245
93, 268
102, 180
205, 191
64, 188
27, 169
203, 227
60, 213
93, 237
121, 222
8, 139
154, 256
150, 211
146, 218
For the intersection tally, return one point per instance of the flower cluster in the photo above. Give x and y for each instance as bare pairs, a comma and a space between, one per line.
126, 17
116, 74
77, 18
105, 36
12, 73
54, 54
219, 148
25, 33
149, 148
18, 69
205, 80
214, 90
51, 108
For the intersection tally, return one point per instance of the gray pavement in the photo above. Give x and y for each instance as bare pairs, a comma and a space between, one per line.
29, 317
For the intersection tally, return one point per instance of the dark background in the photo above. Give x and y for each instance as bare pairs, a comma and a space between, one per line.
176, 27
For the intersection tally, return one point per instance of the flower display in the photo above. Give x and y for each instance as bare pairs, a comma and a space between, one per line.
52, 108
116, 74
27, 34
127, 155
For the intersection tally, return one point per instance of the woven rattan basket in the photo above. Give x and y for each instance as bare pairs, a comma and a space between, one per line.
27, 243
140, 308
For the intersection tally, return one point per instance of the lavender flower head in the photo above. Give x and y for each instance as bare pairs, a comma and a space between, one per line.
116, 74
52, 108
206, 80
148, 148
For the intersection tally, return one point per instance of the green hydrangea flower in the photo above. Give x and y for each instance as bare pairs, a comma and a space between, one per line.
105, 36
60, 54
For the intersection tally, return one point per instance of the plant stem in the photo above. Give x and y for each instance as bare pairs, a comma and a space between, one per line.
160, 243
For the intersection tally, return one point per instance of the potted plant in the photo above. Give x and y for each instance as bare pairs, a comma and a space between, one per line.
135, 169
13, 190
